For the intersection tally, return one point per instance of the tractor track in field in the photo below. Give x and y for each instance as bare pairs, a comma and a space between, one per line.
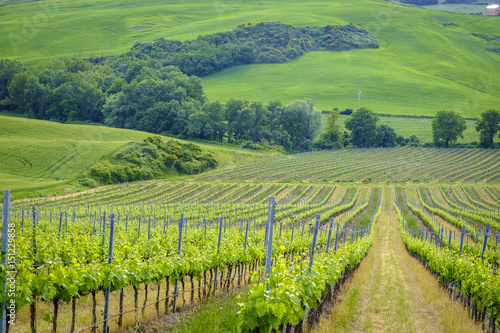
392, 292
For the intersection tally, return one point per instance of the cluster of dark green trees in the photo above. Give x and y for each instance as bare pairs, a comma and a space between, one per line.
447, 127
365, 132
294, 127
265, 42
58, 90
156, 100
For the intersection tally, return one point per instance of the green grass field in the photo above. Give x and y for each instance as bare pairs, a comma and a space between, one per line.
333, 79
39, 155
422, 67
428, 60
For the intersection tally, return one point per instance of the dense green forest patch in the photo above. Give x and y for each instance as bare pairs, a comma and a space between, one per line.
261, 43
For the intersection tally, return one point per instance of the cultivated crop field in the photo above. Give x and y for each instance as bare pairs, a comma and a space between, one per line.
179, 243
401, 239
373, 165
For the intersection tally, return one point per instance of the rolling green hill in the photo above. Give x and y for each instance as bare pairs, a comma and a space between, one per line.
428, 60
39, 155
333, 79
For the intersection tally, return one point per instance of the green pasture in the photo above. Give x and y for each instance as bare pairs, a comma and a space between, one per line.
40, 155
428, 60
333, 79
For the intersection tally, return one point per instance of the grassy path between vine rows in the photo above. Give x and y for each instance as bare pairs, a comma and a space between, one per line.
392, 292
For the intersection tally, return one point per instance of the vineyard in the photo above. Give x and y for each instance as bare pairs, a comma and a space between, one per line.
373, 165
109, 258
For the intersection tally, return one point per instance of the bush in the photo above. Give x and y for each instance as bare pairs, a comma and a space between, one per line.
262, 145
346, 112
88, 182
150, 159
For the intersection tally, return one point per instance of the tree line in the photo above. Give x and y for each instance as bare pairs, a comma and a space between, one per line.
164, 100
447, 127
158, 100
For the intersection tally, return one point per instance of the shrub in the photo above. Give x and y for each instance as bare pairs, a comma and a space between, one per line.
152, 158
87, 182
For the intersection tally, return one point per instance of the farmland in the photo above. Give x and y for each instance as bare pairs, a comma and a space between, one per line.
71, 236
372, 165
398, 239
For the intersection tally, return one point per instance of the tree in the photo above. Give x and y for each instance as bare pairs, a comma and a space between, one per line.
332, 134
16, 92
363, 127
232, 108
181, 123
275, 109
89, 98
243, 123
35, 97
246, 121
261, 117
152, 91
302, 121
386, 136
8, 68
61, 103
488, 126
332, 131
215, 111
275, 131
447, 126
414, 141
402, 141
159, 118
200, 126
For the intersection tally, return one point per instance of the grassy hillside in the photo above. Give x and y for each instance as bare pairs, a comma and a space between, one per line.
39, 155
428, 60
333, 80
